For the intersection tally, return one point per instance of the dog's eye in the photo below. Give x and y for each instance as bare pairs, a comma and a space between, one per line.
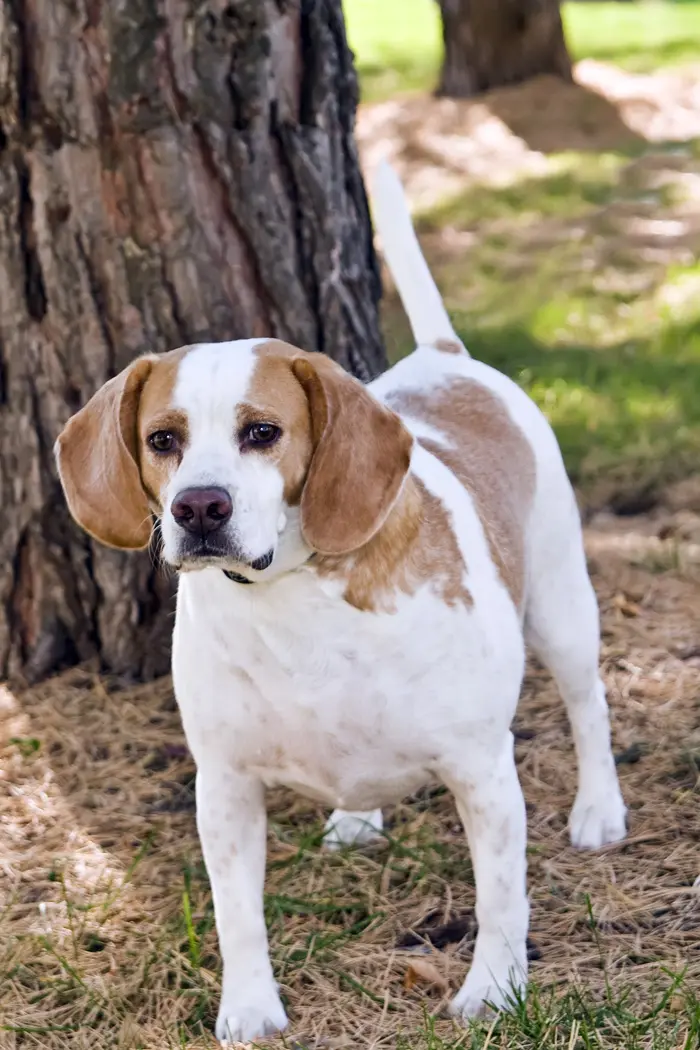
162, 441
262, 434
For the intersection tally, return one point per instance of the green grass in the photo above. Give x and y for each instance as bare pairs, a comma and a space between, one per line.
578, 1021
338, 913
398, 42
397, 45
640, 37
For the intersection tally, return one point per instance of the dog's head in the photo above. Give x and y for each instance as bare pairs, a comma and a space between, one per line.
251, 453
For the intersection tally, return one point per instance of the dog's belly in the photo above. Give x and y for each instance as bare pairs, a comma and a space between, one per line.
340, 792
355, 779
357, 740
360, 737
350, 731
353, 709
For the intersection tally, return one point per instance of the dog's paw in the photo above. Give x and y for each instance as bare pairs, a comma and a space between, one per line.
483, 992
598, 819
245, 1018
345, 828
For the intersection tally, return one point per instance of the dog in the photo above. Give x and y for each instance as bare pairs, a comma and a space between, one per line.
361, 568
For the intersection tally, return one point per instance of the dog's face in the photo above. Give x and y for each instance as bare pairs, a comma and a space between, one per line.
251, 453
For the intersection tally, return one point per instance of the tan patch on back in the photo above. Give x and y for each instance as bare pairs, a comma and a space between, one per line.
415, 546
276, 396
492, 458
156, 412
449, 346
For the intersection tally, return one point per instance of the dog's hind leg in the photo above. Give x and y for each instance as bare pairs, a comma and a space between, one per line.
562, 628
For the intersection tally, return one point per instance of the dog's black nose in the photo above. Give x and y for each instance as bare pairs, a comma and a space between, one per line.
201, 511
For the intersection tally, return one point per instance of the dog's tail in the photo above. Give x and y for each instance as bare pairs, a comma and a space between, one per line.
417, 290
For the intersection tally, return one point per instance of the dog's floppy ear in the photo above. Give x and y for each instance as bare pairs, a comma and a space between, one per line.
96, 455
362, 453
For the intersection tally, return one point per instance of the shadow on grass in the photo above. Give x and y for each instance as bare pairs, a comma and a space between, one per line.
646, 58
543, 196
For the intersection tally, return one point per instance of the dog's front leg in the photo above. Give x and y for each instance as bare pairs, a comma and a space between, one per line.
491, 805
231, 820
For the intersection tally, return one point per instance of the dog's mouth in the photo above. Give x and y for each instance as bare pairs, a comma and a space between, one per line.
208, 553
264, 562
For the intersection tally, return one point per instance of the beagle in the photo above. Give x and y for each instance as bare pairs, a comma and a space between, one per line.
361, 568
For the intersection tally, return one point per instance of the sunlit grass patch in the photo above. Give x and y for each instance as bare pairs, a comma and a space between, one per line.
398, 43
639, 37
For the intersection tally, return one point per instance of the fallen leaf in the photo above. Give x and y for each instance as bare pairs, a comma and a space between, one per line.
651, 689
420, 971
622, 603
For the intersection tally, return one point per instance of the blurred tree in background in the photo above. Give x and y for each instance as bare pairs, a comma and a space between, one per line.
489, 43
168, 174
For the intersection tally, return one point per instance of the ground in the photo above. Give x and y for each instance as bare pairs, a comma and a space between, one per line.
562, 223
107, 936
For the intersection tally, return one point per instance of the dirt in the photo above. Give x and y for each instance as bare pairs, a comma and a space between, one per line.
438, 145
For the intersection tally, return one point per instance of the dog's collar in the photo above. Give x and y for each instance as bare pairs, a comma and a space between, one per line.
259, 564
236, 576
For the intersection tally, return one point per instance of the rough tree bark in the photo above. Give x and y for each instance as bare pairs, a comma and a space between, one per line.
489, 43
171, 171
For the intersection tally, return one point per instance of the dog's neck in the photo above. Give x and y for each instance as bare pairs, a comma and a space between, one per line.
416, 547
376, 572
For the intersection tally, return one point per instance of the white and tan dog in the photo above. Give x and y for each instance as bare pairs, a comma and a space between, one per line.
402, 542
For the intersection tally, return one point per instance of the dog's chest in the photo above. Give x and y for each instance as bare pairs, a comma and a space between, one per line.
313, 694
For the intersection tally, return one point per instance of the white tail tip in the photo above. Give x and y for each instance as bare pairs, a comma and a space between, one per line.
417, 290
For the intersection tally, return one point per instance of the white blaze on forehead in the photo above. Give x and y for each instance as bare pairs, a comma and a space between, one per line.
212, 379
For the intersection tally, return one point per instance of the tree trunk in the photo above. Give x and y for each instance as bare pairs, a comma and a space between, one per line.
171, 171
489, 43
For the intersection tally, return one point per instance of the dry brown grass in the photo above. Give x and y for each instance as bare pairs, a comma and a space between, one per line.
100, 864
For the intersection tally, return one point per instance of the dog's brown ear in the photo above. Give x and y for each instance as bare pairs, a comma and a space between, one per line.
362, 453
96, 455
